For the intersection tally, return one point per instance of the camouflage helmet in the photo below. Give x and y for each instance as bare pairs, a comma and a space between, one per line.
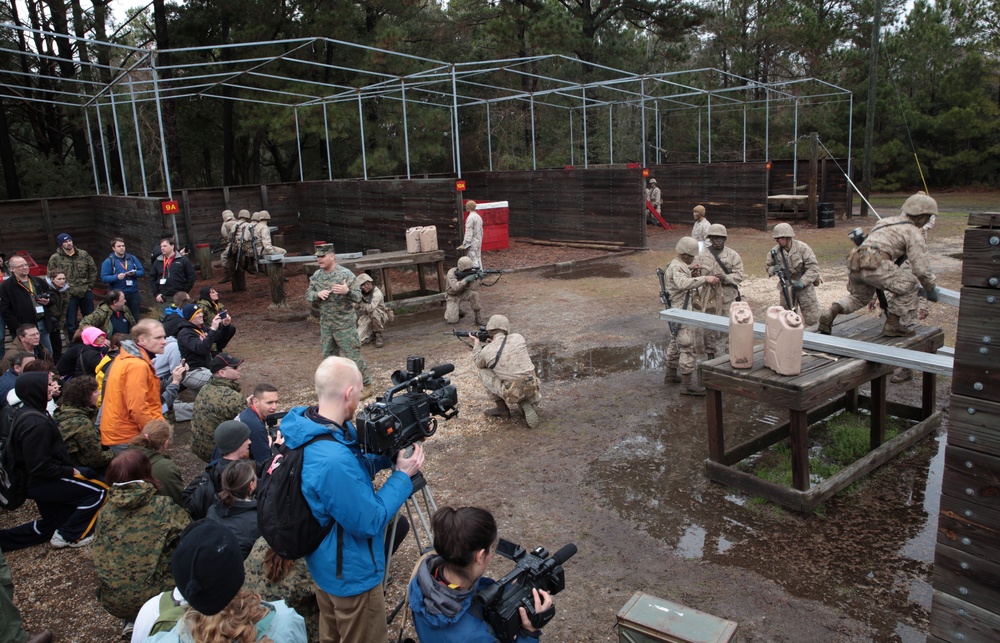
687, 246
699, 209
264, 215
783, 230
498, 322
919, 204
227, 215
464, 263
717, 230
255, 216
245, 214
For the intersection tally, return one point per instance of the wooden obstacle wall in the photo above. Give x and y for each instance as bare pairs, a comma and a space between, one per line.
734, 194
966, 606
832, 186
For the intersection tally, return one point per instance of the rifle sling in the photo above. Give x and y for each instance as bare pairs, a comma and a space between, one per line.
496, 359
726, 270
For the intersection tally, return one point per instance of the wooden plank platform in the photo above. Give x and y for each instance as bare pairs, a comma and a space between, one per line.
822, 388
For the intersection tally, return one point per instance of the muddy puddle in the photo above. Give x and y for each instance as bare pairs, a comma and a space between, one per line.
598, 362
586, 271
875, 569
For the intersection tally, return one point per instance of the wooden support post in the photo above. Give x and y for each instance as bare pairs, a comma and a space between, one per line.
203, 257
276, 279
928, 397
799, 425
879, 411
239, 280
188, 227
263, 197
421, 279
225, 197
441, 279
47, 216
385, 283
813, 177
716, 437
851, 400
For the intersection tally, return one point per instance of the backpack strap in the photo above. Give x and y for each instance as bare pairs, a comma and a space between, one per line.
340, 529
170, 612
406, 595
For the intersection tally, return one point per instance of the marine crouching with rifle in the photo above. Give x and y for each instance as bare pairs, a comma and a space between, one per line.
795, 265
678, 289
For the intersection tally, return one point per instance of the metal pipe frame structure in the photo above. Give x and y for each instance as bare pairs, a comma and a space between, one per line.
286, 74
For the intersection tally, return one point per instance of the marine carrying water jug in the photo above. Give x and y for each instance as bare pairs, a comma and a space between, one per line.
783, 341
740, 335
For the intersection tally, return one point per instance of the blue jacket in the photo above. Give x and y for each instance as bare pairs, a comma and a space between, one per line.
281, 624
337, 484
259, 450
112, 266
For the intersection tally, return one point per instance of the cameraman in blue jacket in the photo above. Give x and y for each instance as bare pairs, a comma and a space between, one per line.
337, 477
442, 590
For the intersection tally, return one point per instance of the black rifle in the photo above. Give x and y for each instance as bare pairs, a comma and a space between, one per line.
665, 299
784, 278
481, 274
481, 334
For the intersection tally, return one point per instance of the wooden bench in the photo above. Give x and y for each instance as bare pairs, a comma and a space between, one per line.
822, 388
382, 262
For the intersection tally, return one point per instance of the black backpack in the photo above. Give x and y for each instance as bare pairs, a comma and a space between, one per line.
13, 472
283, 514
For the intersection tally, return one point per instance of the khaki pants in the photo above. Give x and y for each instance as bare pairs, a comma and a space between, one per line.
453, 305
861, 285
352, 619
682, 352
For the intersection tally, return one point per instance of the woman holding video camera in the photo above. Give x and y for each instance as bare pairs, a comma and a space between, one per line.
442, 589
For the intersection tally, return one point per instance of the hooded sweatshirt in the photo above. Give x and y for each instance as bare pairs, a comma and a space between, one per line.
38, 443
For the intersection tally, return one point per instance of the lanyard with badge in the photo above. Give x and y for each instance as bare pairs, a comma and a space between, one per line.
166, 270
30, 288
124, 265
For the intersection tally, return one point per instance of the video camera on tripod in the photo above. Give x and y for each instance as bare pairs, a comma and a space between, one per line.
391, 424
533, 570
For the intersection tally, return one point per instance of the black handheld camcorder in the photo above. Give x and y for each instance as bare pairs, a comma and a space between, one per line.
533, 570
272, 420
394, 422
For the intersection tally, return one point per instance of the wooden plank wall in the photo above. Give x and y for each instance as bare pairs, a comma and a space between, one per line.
604, 204
138, 221
734, 194
832, 188
966, 605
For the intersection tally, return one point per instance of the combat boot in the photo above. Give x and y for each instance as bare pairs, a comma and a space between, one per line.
894, 328
671, 376
479, 319
501, 410
530, 416
826, 319
378, 340
690, 387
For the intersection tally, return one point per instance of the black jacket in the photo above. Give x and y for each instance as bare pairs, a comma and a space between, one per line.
179, 278
17, 305
37, 441
195, 344
241, 519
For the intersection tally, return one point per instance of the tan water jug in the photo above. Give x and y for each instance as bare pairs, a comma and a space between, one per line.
413, 240
428, 238
783, 341
740, 335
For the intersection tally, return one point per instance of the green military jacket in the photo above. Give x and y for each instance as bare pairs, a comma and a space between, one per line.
101, 318
81, 271
217, 401
336, 308
167, 473
82, 437
137, 533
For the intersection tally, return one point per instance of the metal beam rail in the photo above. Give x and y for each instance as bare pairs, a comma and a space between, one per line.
916, 360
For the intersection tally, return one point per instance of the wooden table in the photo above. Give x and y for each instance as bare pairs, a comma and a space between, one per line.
822, 388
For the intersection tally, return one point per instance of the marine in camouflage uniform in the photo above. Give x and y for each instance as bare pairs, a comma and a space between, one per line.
459, 290
82, 437
338, 323
137, 532
297, 588
683, 289
699, 232
873, 266
372, 312
803, 272
717, 298
506, 370
262, 234
219, 400
228, 226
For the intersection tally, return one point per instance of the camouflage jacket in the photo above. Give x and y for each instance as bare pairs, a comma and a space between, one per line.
217, 401
681, 286
699, 232
801, 259
297, 587
82, 437
514, 363
458, 287
167, 473
137, 532
81, 271
336, 308
101, 318
897, 236
210, 309
728, 286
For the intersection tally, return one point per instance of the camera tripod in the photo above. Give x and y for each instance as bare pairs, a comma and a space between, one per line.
420, 507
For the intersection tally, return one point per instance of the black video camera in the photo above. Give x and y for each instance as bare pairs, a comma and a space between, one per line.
272, 420
533, 570
391, 423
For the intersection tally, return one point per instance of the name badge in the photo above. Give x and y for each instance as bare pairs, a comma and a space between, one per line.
128, 282
39, 309
163, 282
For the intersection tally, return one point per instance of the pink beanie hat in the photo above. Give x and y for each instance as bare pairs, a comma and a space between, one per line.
91, 333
